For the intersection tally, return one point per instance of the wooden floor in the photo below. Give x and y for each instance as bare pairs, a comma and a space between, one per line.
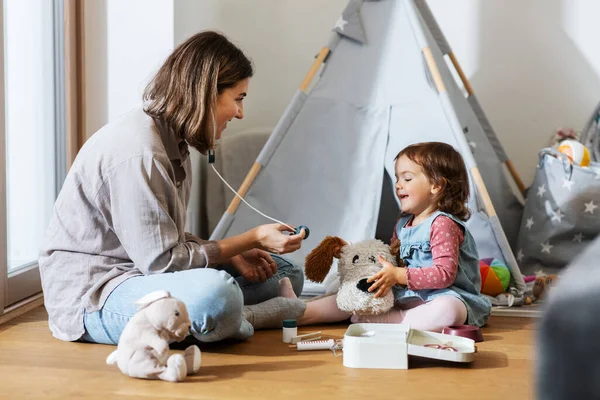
34, 365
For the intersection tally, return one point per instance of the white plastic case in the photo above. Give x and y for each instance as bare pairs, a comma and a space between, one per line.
387, 346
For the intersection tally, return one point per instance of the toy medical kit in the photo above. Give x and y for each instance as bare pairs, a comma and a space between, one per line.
290, 330
305, 337
387, 346
466, 331
316, 345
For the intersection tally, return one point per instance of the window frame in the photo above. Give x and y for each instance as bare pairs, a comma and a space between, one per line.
25, 283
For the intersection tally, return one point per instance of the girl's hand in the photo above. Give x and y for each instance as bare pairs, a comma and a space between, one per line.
255, 265
389, 276
272, 239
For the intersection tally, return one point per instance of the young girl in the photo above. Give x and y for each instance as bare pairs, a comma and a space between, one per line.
439, 285
441, 281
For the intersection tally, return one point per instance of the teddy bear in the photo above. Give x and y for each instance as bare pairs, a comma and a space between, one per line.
357, 262
143, 348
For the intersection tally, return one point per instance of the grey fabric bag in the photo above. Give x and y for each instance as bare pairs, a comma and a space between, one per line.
590, 136
561, 216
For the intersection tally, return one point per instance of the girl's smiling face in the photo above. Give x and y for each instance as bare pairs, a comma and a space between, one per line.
414, 190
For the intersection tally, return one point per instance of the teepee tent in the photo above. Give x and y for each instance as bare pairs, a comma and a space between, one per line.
383, 83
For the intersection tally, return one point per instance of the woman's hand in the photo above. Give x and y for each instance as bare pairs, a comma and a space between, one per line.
255, 265
389, 276
272, 239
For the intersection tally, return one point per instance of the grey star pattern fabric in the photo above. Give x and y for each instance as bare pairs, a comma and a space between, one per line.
561, 216
349, 24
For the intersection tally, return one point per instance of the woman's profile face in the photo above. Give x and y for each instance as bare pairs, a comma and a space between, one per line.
230, 105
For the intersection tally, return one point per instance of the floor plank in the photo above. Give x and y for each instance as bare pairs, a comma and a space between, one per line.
34, 365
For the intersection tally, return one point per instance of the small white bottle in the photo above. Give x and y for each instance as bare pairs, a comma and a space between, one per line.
290, 329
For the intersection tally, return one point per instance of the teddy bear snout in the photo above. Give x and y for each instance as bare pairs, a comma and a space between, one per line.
182, 330
361, 274
364, 285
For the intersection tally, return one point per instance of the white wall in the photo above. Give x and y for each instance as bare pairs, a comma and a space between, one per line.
534, 64
137, 48
280, 36
126, 42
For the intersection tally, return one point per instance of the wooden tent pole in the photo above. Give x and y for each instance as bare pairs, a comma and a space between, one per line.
439, 83
256, 167
433, 69
469, 89
461, 73
515, 175
235, 203
314, 68
487, 201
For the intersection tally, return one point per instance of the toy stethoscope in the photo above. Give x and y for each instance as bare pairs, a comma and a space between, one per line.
211, 161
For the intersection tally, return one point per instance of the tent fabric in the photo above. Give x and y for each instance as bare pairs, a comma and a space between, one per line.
329, 162
433, 26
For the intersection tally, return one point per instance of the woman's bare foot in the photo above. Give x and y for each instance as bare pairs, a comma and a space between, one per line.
286, 289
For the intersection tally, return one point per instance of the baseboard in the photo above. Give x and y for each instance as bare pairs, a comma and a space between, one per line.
22, 307
312, 289
532, 311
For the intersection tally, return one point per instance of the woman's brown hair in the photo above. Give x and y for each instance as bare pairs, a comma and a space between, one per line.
184, 91
444, 167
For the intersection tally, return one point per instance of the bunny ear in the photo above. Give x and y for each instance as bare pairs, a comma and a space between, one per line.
152, 297
318, 262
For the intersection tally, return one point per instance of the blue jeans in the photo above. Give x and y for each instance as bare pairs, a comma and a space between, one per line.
214, 299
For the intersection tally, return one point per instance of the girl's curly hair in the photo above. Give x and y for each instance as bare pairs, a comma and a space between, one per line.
444, 167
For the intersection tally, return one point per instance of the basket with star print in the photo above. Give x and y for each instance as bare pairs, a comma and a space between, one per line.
561, 216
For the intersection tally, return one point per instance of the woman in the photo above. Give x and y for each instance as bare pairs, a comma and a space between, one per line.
117, 231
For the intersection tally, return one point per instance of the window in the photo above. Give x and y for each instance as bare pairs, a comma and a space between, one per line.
32, 160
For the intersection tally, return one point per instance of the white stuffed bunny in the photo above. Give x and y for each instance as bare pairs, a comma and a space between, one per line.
143, 350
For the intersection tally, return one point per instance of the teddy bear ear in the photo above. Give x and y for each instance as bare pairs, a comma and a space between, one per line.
152, 297
318, 262
337, 250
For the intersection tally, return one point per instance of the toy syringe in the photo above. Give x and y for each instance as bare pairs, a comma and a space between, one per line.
315, 345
